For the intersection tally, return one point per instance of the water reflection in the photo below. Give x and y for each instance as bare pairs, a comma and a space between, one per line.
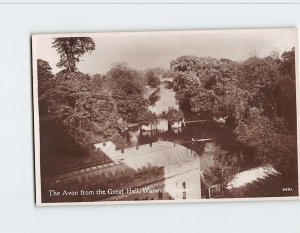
163, 99
185, 135
181, 134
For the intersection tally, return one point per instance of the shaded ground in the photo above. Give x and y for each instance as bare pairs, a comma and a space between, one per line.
60, 154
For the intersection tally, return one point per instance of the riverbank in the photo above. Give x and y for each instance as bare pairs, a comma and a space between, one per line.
164, 99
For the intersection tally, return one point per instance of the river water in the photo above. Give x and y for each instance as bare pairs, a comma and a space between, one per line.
185, 135
165, 98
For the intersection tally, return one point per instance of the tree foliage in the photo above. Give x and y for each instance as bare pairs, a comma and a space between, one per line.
44, 70
71, 103
168, 74
127, 90
157, 71
253, 94
203, 83
272, 141
152, 79
71, 49
146, 117
92, 109
172, 115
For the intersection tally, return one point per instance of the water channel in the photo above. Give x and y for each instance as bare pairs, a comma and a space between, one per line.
185, 135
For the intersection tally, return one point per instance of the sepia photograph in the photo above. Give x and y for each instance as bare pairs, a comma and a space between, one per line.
165, 116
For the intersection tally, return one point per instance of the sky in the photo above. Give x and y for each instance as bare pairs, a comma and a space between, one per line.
143, 50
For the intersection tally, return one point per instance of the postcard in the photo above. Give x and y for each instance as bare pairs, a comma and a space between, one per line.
165, 116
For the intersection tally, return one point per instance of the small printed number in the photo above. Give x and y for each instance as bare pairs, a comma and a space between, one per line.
287, 189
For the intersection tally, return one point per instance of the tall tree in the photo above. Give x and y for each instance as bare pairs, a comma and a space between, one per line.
152, 79
127, 91
44, 70
45, 83
172, 115
71, 49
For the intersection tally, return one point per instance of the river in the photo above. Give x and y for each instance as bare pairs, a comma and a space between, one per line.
185, 135
164, 98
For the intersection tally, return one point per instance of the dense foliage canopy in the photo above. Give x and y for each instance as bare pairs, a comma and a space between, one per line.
152, 79
253, 96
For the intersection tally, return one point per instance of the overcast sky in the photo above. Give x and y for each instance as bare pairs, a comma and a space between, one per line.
154, 49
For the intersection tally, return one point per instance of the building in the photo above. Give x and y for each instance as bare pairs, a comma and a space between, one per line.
157, 171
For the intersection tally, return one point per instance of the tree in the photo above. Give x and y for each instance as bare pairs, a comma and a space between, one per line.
224, 166
272, 142
202, 84
158, 71
186, 85
146, 117
152, 80
168, 74
172, 115
43, 69
286, 90
71, 49
127, 90
73, 104
185, 63
287, 65
46, 82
